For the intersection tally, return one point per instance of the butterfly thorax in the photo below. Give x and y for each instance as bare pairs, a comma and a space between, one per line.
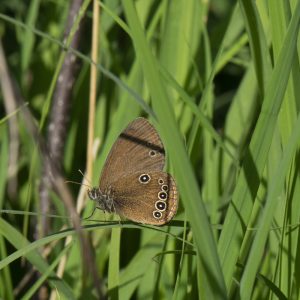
104, 200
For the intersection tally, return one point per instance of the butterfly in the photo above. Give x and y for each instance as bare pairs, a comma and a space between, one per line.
133, 183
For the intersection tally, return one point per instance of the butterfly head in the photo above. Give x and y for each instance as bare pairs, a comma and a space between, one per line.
94, 193
104, 201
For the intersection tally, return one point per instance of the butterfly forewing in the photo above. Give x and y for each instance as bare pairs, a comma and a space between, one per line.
145, 197
137, 148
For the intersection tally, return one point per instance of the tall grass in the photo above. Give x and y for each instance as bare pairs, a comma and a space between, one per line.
220, 82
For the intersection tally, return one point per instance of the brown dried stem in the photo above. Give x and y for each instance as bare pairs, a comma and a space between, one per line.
10, 106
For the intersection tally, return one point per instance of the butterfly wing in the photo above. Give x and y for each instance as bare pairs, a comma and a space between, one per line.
137, 148
148, 198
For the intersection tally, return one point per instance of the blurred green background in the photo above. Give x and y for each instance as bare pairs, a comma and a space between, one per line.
220, 82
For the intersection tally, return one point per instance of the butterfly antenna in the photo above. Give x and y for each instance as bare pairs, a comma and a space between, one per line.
79, 183
85, 177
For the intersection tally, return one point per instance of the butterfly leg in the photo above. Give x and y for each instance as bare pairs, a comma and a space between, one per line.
90, 214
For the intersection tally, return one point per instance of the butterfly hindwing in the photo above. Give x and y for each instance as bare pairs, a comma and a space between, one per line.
145, 197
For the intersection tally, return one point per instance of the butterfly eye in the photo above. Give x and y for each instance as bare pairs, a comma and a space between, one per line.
160, 181
165, 187
162, 195
144, 178
157, 214
160, 205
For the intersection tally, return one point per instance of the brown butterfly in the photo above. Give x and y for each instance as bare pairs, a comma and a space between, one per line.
132, 183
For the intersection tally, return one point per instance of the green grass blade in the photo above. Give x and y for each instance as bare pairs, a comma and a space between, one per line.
114, 264
276, 187
239, 211
46, 274
211, 274
29, 38
19, 242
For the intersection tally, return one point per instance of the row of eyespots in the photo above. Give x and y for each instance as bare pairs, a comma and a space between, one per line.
161, 204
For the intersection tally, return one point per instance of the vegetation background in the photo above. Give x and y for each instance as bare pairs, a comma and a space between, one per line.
220, 82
